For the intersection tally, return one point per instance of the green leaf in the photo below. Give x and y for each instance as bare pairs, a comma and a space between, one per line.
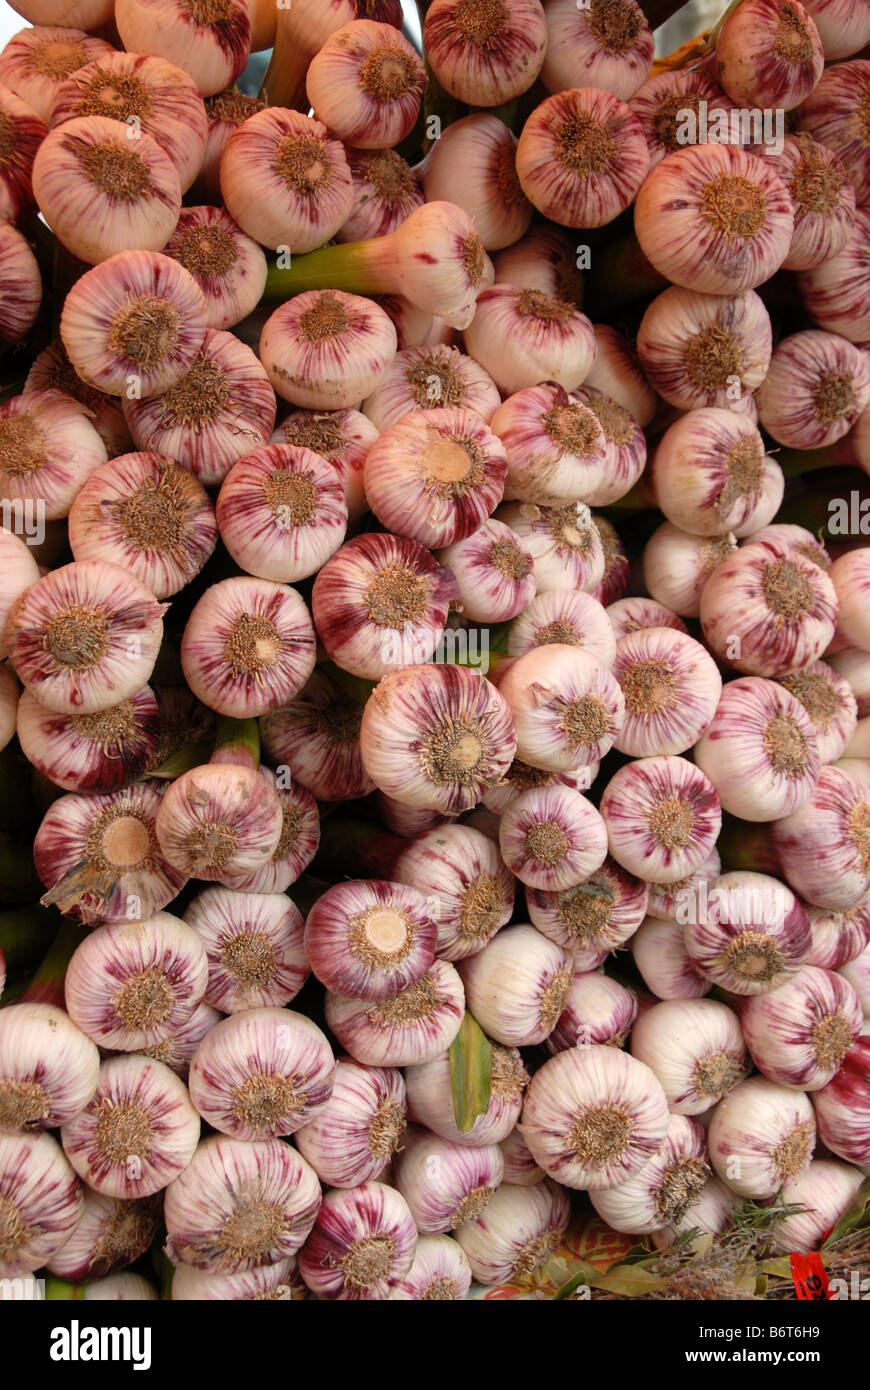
856, 1218
470, 1073
777, 1268
583, 1274
634, 1281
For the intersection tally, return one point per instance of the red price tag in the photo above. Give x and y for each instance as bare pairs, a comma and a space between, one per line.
810, 1277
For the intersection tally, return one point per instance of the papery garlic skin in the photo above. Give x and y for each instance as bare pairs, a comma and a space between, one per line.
43, 1198
370, 939
48, 1067
440, 1272
359, 1128
517, 1233
430, 1098
131, 985
254, 947
799, 1034
261, 1074
445, 1184
520, 1168
841, 1107
461, 728
460, 872
110, 1235
366, 84
760, 1135
573, 619
663, 818
617, 375
752, 935
567, 706
144, 512
659, 950
297, 844
138, 1132
134, 323
285, 181
516, 986
822, 846
663, 1192
20, 570
839, 938
857, 972
695, 1048
696, 349
240, 1205
830, 703
593, 918
835, 292
693, 234
342, 437
413, 1027
593, 1117
850, 575
597, 1010
362, 1244
825, 1190
780, 608
212, 44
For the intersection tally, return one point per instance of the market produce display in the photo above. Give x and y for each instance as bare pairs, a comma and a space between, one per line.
435, 642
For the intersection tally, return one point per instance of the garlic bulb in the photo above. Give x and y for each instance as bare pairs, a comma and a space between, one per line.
360, 1127
800, 1033
695, 1048
610, 43
326, 350
705, 349
760, 1135
665, 1190
841, 1107
769, 54
710, 474
566, 616
361, 1245
440, 1272
35, 62
265, 1283
254, 946
659, 950
663, 817
552, 837
564, 541
593, 1117
857, 972
412, 1027
823, 845
592, 918
838, 938
370, 939
816, 387
825, 1191
516, 1234
597, 1010
751, 934
485, 55
110, 1235
366, 84
445, 1184
671, 688
50, 449
676, 566
711, 1213
556, 449
516, 986
318, 735
460, 869
494, 571
238, 1206
48, 1067
567, 706
520, 1169
42, 1201
430, 1098
522, 337
472, 165
261, 1074
431, 378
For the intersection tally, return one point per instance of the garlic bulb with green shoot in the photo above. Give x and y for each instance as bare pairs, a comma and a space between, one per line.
49, 1068
760, 1135
430, 1098
261, 1073
695, 1048
131, 985
360, 1127
593, 1117
238, 1206
412, 1027
254, 946
138, 1132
